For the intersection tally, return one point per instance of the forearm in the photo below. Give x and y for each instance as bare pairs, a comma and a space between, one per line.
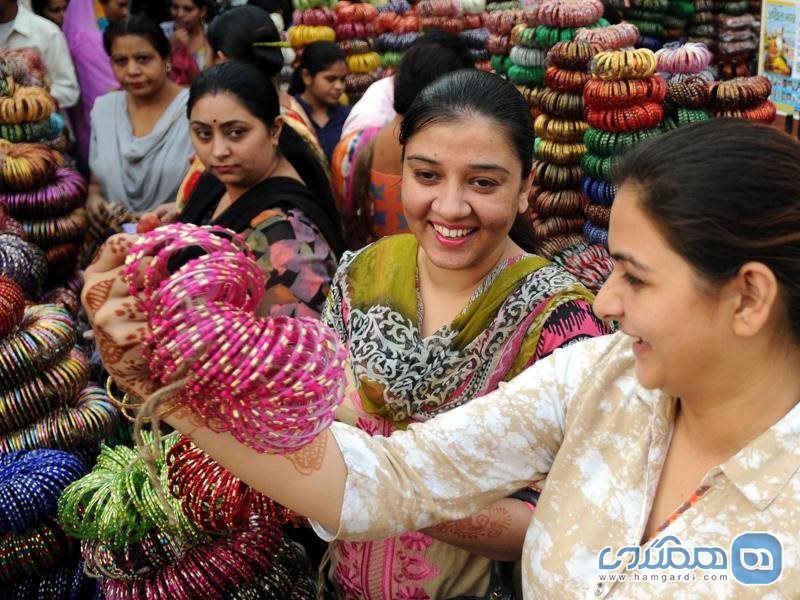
497, 532
310, 481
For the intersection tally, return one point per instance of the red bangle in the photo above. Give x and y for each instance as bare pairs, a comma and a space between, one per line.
627, 119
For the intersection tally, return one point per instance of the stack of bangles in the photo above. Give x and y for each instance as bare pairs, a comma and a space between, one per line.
498, 44
89, 419
559, 130
66, 581
357, 83
117, 504
606, 143
438, 8
528, 76
452, 25
290, 575
547, 227
598, 214
556, 177
568, 13
553, 246
30, 484
590, 264
646, 115
315, 16
57, 230
599, 192
8, 224
690, 93
302, 35
501, 22
572, 55
400, 7
690, 57
565, 81
273, 383
475, 38
562, 105
63, 193
600, 167
22, 262
26, 166
614, 37
207, 570
363, 63
348, 31
12, 308
595, 234
624, 64
348, 12
26, 132
38, 550
602, 94
389, 42
350, 47
742, 97
308, 4
29, 103
559, 153
389, 22
211, 497
561, 202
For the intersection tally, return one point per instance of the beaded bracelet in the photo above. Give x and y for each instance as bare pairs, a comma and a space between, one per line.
614, 37
22, 262
545, 227
12, 308
211, 497
220, 564
559, 130
624, 64
65, 192
556, 177
30, 483
267, 403
89, 420
36, 550
628, 119
595, 234
568, 13
563, 203
573, 56
561, 104
599, 93
562, 80
599, 167
529, 76
552, 246
560, 153
606, 143
599, 192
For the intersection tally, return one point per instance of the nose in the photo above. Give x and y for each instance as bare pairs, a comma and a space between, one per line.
608, 302
450, 203
219, 147
133, 68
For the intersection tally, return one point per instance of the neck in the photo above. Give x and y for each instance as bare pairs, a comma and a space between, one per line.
723, 420
163, 96
9, 13
278, 167
461, 282
316, 105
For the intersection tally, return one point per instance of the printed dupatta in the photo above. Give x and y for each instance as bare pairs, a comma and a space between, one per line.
403, 377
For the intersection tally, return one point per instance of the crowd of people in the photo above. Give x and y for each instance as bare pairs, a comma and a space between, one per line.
496, 411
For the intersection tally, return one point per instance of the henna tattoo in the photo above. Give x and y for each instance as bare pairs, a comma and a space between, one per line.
310, 457
111, 352
97, 295
117, 245
130, 310
489, 523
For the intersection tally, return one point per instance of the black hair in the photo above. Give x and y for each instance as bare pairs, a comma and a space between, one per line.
236, 33
725, 192
38, 6
141, 26
316, 57
428, 58
459, 95
270, 6
258, 95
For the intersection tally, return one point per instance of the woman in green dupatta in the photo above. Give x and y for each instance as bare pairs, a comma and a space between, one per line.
438, 317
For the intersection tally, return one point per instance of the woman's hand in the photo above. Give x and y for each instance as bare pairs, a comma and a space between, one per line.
180, 37
167, 213
99, 212
118, 323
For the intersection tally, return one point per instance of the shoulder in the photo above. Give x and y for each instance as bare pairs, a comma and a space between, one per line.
29, 23
107, 102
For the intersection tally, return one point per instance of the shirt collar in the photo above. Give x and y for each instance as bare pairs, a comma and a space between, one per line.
23, 21
764, 467
310, 109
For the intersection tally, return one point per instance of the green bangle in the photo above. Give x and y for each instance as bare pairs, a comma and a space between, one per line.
641, 14
681, 9
500, 63
599, 167
649, 28
606, 143
390, 60
654, 5
530, 76
547, 37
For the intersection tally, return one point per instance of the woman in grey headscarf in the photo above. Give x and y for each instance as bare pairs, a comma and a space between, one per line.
140, 146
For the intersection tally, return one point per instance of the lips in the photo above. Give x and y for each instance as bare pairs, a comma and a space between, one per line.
223, 169
452, 232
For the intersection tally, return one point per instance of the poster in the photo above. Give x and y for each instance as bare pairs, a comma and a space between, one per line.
779, 58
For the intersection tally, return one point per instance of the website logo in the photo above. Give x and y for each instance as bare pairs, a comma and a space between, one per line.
756, 558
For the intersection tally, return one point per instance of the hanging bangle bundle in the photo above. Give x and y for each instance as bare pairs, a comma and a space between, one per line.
559, 130
556, 177
29, 103
51, 389
25, 132
503, 21
560, 153
23, 262
116, 502
614, 37
30, 483
26, 166
528, 57
45, 336
156, 549
202, 322
599, 167
599, 192
599, 214
529, 76
561, 104
314, 16
302, 35
624, 64
57, 230
568, 13
595, 234
91, 418
572, 55
738, 93
547, 227
599, 93
12, 307
646, 115
606, 143
689, 57
563, 80
37, 550
204, 571
211, 497
561, 202
63, 193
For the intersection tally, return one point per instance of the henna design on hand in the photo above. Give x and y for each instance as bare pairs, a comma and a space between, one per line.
98, 294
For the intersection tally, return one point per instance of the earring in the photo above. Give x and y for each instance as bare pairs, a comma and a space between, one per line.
169, 67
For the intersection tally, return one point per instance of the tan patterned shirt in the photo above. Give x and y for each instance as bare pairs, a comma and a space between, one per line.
580, 419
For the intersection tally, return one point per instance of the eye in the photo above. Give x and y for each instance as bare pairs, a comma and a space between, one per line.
484, 183
632, 280
236, 133
202, 134
426, 176
120, 61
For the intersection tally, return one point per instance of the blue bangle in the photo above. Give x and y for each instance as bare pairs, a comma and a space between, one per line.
595, 234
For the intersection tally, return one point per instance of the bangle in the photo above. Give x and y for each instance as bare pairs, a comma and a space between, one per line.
624, 64
12, 307
590, 264
37, 550
499, 62
321, 15
568, 13
563, 203
546, 227
302, 35
764, 113
28, 103
595, 234
599, 167
529, 76
26, 166
559, 130
614, 37
688, 93
65, 192
599, 214
561, 104
57, 230
627, 119
573, 56
363, 63
739, 93
438, 8
290, 576
66, 581
559, 153
599, 93
683, 58
556, 177
528, 57
606, 143
562, 80
599, 192
553, 246
23, 262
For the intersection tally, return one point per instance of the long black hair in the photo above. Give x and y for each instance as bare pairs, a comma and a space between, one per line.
239, 34
141, 26
461, 94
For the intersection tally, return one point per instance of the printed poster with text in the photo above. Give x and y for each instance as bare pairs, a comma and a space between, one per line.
778, 53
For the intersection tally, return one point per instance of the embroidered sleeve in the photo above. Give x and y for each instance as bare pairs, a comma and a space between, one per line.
297, 260
569, 323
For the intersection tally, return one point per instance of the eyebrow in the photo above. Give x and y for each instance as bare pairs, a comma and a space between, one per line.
629, 259
223, 124
477, 166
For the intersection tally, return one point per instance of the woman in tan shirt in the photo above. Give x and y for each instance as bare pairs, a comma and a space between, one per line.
671, 448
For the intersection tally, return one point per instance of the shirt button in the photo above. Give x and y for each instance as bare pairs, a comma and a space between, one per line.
598, 589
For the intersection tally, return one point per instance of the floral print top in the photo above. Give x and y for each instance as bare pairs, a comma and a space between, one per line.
580, 419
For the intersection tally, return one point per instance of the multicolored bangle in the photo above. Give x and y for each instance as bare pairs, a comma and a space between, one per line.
563, 203
62, 194
37, 550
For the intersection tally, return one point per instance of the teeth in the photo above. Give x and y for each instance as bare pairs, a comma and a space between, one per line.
452, 233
